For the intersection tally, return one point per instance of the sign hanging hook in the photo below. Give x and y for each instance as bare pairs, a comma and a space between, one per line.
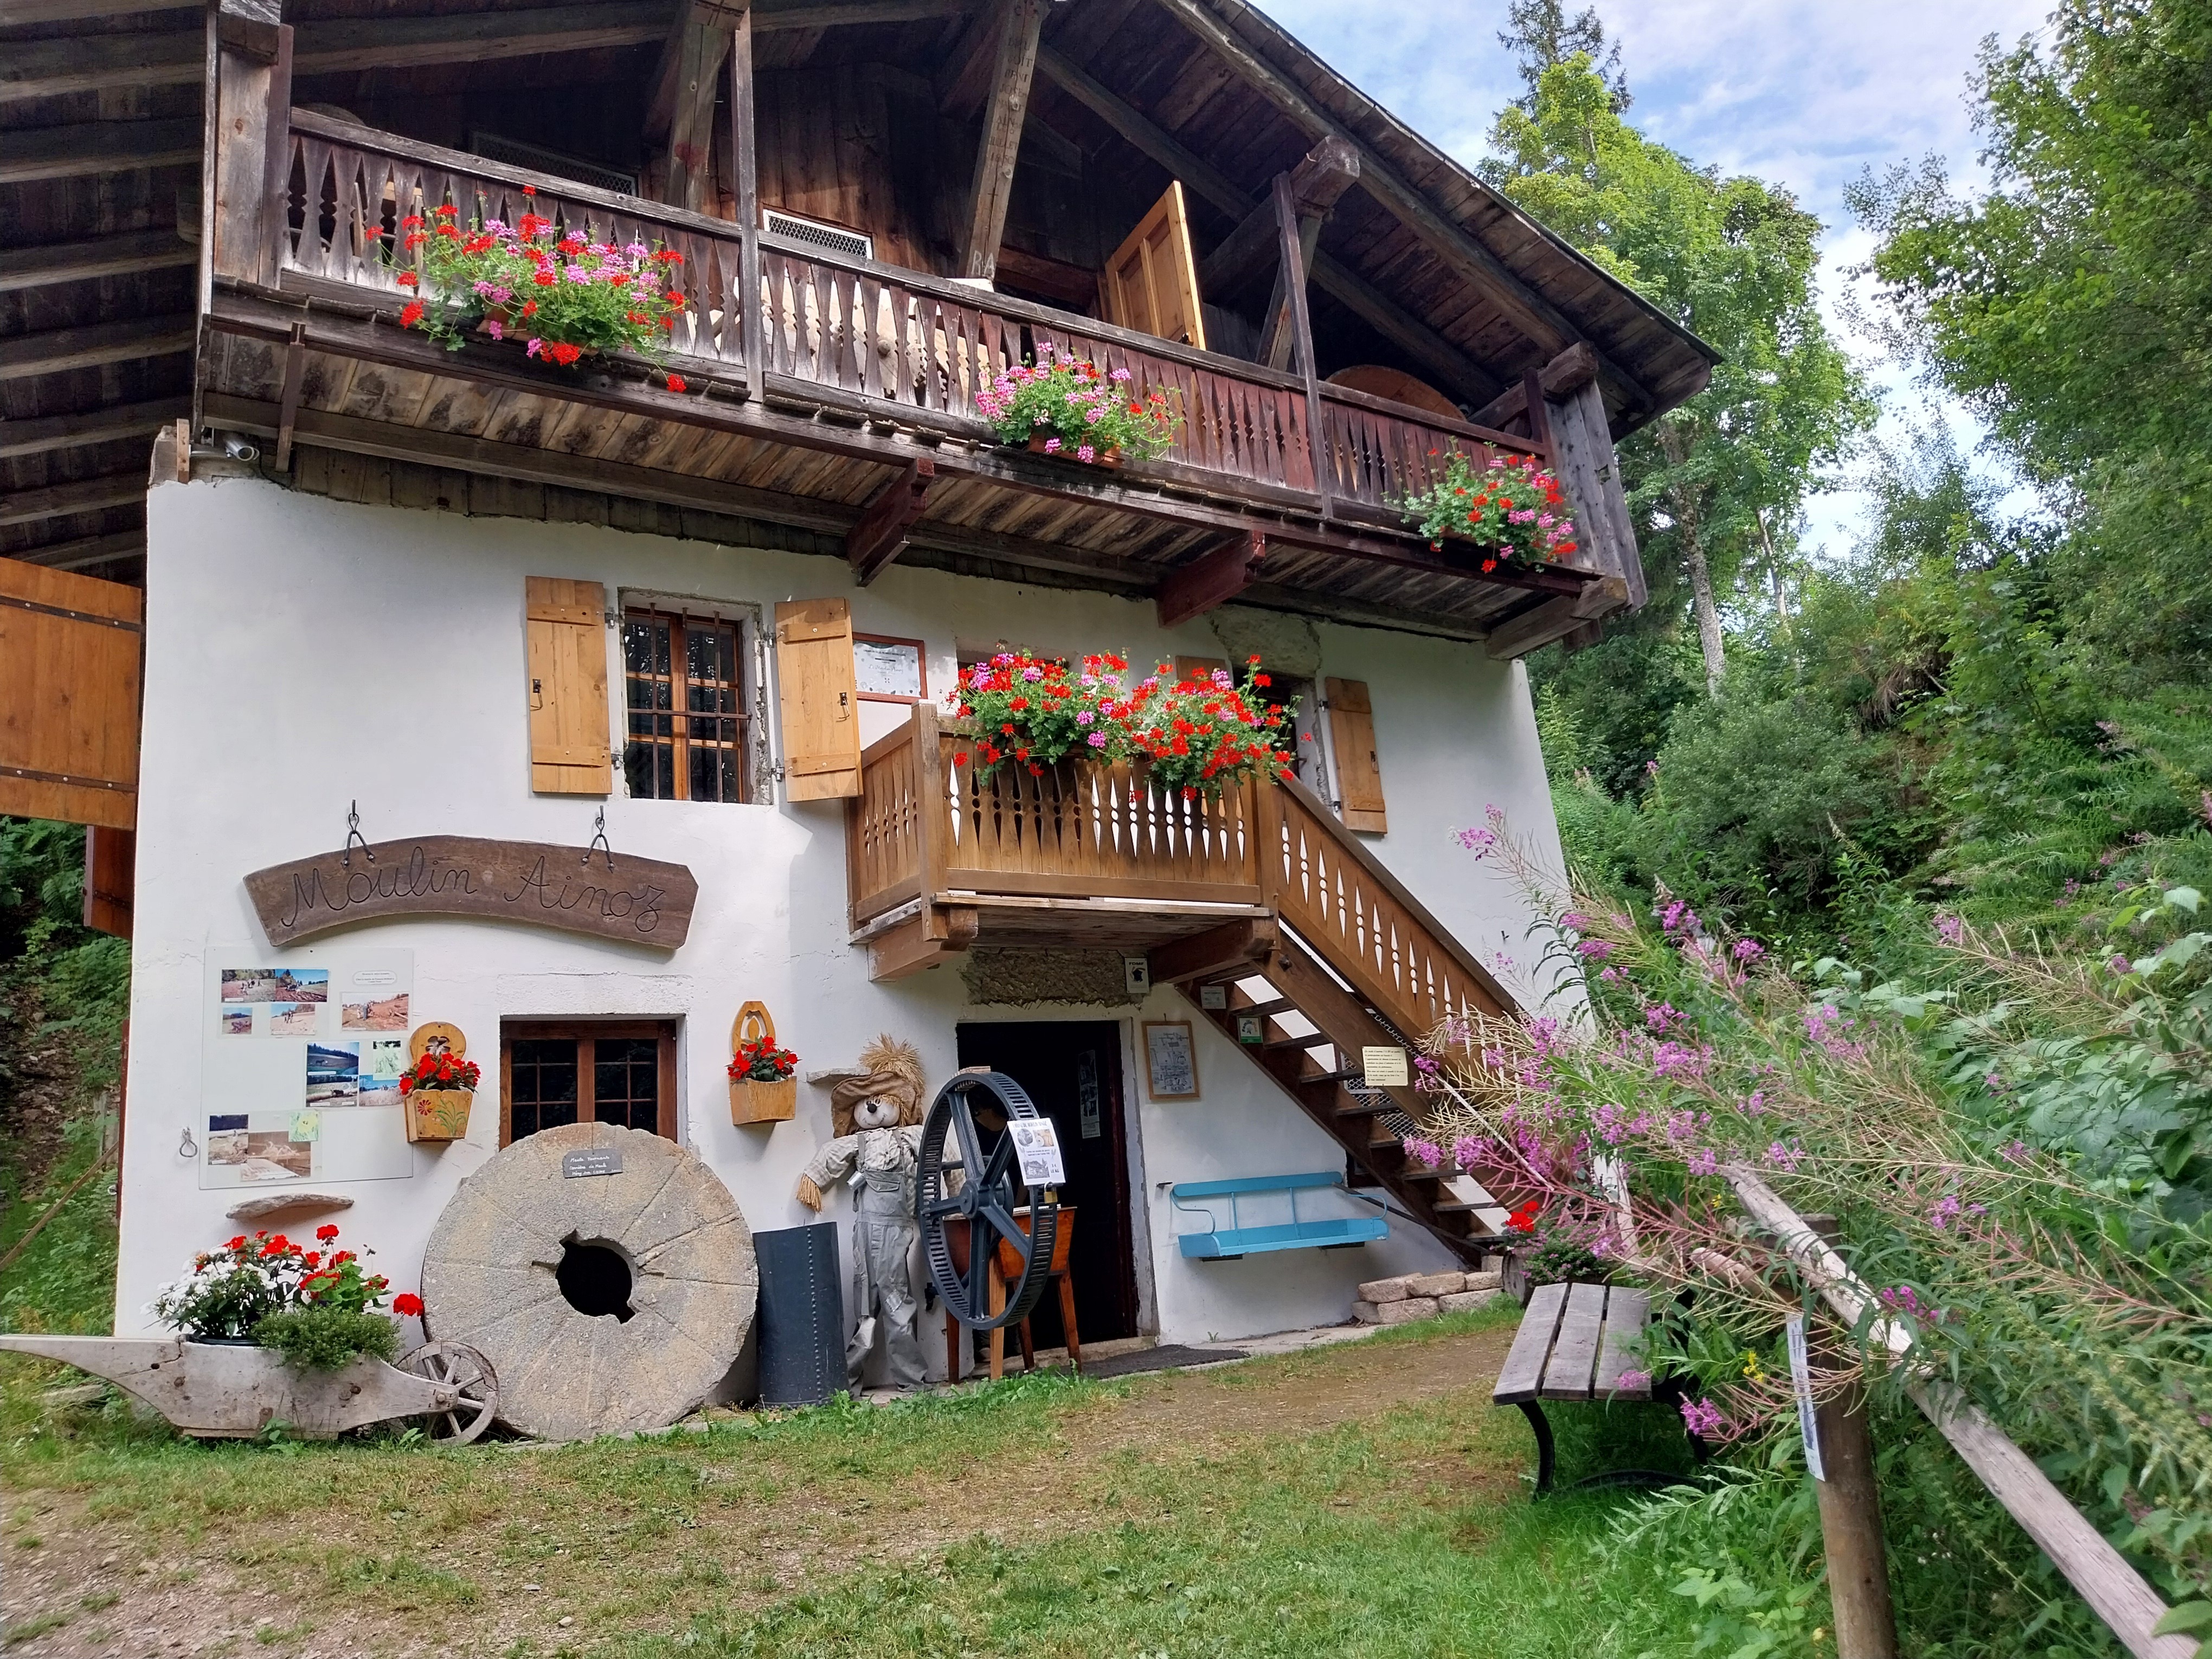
353, 835
599, 842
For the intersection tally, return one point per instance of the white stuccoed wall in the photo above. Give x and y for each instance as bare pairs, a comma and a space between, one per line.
303, 653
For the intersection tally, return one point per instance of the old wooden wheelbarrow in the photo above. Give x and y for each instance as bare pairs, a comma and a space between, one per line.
222, 1391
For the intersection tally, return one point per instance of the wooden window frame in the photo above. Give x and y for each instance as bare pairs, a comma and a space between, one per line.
921, 666
585, 1033
679, 679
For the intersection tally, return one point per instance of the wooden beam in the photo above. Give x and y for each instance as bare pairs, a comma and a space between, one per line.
93, 426
14, 12
1529, 311
1072, 286
938, 933
1234, 947
1575, 367
1296, 338
1327, 170
745, 184
84, 495
477, 37
287, 406
85, 551
813, 15
95, 147
1013, 67
53, 351
1324, 175
1555, 618
878, 538
102, 256
1380, 313
1212, 581
679, 115
962, 81
53, 69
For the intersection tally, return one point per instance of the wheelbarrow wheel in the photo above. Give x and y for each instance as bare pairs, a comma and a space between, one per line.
456, 1366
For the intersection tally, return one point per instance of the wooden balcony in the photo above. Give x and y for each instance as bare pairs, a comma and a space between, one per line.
837, 397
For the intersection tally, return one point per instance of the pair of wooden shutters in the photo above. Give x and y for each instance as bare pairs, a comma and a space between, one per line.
571, 751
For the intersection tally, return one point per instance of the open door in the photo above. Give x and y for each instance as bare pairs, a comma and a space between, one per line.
70, 653
1150, 284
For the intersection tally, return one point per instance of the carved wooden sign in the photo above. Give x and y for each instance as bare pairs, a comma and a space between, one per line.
633, 900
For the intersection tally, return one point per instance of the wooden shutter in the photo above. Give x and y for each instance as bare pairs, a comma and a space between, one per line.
1351, 741
1150, 284
819, 700
69, 658
569, 741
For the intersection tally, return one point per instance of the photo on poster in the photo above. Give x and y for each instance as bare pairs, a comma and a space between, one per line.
382, 1061
293, 1019
257, 1154
276, 985
333, 1074
236, 1021
383, 1014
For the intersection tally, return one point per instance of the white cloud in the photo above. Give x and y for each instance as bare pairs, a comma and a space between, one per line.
1809, 93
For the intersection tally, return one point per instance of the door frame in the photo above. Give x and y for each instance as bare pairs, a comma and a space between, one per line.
585, 1033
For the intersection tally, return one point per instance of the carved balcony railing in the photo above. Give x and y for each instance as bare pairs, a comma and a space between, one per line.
873, 341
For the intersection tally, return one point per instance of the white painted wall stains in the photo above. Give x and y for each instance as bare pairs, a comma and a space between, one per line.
304, 655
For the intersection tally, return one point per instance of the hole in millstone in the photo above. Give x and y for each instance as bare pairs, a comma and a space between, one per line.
595, 1279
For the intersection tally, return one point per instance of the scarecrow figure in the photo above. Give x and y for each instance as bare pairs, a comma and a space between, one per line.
878, 1120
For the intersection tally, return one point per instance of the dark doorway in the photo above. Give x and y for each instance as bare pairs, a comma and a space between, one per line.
1072, 1070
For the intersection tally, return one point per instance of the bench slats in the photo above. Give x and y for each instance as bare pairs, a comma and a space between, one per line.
1626, 1313
1574, 1354
1523, 1371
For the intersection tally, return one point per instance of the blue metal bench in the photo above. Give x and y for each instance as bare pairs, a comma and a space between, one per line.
1219, 1244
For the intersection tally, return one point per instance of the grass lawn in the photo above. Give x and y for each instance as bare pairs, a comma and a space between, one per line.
1361, 1499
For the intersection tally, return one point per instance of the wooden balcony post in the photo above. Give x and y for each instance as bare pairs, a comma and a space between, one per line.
1268, 840
248, 110
937, 799
1293, 274
744, 164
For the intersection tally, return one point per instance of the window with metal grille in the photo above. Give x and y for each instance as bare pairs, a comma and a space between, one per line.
684, 691
586, 1072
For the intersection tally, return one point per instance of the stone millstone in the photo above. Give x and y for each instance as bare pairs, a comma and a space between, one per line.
488, 1280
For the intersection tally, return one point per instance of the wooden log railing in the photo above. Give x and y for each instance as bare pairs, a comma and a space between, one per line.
925, 828
870, 339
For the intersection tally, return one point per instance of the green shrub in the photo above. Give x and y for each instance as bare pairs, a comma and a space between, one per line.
327, 1339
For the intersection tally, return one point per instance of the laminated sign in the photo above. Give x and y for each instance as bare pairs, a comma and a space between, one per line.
1037, 1145
1801, 1373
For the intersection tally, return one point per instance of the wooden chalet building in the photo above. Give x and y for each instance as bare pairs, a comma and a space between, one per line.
468, 594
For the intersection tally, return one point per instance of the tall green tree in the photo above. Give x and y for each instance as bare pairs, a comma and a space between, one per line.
1720, 483
1540, 34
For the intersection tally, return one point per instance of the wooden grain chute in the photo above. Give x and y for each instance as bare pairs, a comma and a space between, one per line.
70, 653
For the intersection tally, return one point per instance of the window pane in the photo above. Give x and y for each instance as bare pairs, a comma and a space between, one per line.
544, 1084
715, 732
649, 693
626, 1081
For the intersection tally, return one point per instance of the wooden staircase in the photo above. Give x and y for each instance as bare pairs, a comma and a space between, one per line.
1344, 959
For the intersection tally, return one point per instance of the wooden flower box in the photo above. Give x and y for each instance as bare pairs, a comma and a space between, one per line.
1109, 458
752, 1101
439, 1113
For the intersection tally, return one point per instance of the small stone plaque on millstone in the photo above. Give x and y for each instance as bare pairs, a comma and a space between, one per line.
592, 1161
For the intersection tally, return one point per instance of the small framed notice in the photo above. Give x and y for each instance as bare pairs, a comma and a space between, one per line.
1170, 1062
1385, 1068
1213, 998
886, 670
1036, 1145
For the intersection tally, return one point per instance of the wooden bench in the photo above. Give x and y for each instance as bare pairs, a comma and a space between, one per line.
1215, 1242
1577, 1343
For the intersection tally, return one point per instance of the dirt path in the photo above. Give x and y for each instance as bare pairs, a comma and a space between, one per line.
124, 1594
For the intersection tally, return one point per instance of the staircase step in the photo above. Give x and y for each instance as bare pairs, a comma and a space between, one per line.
1339, 1076
1265, 1009
1310, 1040
1455, 1207
1364, 1108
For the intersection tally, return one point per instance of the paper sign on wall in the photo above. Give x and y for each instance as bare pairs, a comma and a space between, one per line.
1385, 1068
1086, 1095
1801, 1373
1036, 1145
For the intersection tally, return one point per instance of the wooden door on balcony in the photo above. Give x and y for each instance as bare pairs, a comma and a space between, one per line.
1072, 1070
1150, 283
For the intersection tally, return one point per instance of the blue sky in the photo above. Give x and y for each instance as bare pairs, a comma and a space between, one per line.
1806, 93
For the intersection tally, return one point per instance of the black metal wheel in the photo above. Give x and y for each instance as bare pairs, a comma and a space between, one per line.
969, 1173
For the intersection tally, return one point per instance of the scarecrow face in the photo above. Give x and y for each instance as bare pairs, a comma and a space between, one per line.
879, 1114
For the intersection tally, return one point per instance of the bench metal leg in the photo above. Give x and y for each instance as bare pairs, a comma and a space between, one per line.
1542, 1429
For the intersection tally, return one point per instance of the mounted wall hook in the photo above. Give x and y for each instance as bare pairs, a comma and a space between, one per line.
186, 1146
353, 838
599, 842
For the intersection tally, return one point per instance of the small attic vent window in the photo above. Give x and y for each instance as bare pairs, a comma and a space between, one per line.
551, 162
836, 237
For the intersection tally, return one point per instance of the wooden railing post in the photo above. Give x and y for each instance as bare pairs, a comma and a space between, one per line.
248, 105
1268, 841
937, 799
744, 162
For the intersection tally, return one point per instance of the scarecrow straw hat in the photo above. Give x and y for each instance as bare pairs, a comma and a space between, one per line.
893, 1072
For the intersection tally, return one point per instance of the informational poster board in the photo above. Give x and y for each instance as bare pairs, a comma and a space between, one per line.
300, 1081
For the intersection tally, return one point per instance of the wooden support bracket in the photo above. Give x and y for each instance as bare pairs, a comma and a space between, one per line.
880, 535
288, 409
1572, 369
1233, 947
937, 935
1211, 579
